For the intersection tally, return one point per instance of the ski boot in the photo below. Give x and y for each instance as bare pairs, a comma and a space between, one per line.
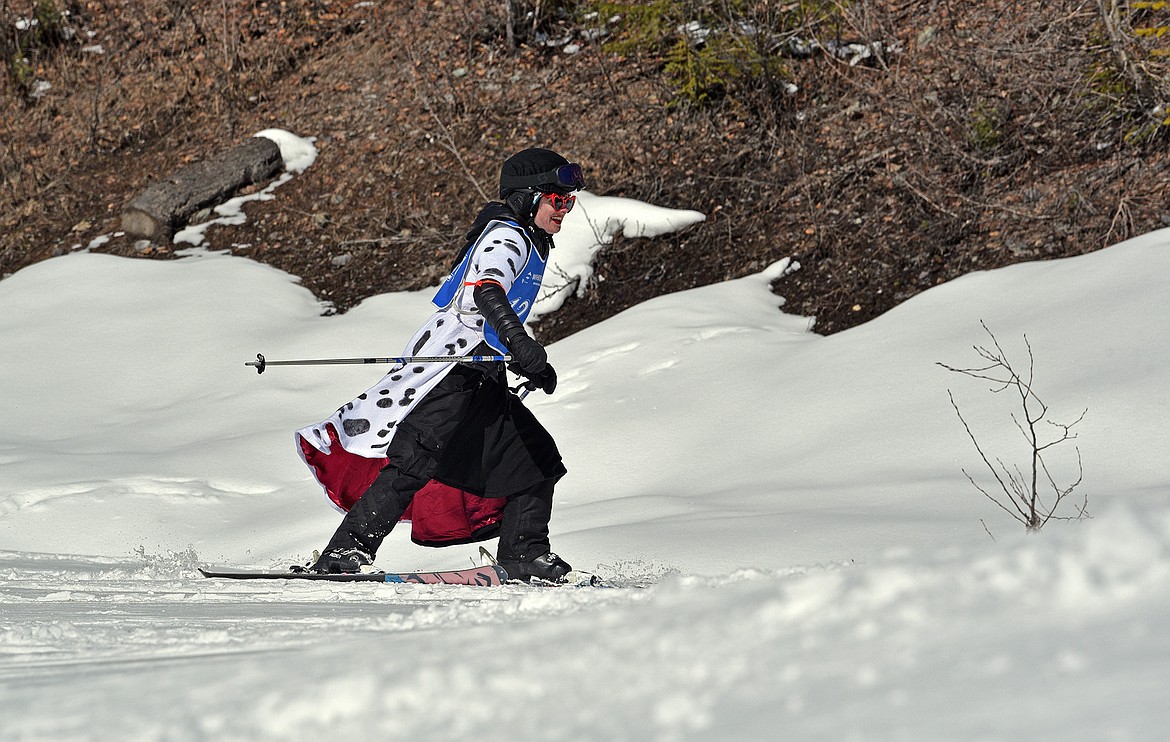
341, 561
548, 568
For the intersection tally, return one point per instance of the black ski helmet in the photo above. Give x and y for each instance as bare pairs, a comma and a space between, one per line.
527, 174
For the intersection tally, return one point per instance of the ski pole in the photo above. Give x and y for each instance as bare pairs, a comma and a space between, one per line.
261, 363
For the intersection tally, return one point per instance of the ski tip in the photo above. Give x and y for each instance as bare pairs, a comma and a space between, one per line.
486, 557
582, 579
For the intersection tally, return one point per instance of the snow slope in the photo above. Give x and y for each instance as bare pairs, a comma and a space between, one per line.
795, 551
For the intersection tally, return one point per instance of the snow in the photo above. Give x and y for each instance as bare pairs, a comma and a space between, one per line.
594, 222
794, 550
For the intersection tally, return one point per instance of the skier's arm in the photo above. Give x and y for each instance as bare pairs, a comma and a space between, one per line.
492, 301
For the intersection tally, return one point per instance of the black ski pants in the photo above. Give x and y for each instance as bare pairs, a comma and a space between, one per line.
414, 455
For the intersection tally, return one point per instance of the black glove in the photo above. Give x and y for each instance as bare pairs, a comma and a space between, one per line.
546, 380
528, 354
493, 304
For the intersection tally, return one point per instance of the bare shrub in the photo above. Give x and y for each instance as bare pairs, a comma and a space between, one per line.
1030, 493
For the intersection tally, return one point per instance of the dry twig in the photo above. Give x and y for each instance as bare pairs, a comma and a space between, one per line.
1020, 489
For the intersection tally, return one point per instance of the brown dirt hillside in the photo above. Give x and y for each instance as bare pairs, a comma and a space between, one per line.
950, 137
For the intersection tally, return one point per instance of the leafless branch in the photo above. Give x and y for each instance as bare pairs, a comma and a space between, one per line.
1021, 486
446, 141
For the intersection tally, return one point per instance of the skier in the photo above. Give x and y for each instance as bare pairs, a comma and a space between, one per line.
458, 424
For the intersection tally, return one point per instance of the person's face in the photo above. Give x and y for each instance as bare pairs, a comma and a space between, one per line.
549, 216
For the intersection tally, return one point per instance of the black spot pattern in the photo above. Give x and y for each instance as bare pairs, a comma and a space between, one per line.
393, 398
422, 341
355, 426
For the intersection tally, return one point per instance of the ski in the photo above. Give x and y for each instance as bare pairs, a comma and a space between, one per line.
486, 576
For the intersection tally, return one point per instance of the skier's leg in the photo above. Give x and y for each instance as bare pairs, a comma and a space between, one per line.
373, 516
413, 456
524, 525
524, 551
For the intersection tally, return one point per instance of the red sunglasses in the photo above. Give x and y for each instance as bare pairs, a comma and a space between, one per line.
559, 202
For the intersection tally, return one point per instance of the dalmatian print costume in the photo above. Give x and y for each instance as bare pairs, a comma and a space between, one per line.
504, 254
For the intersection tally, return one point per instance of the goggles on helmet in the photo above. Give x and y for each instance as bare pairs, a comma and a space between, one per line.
566, 176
